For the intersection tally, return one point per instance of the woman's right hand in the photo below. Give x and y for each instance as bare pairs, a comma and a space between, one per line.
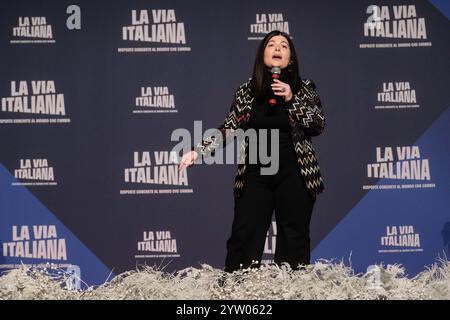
188, 160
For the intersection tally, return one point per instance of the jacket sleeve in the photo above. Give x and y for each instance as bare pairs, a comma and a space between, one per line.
306, 109
209, 145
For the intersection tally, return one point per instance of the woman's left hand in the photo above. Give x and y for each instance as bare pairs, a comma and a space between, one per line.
282, 89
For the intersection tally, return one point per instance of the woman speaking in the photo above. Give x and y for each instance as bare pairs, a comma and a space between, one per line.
282, 101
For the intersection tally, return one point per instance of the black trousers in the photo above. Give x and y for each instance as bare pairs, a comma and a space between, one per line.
287, 194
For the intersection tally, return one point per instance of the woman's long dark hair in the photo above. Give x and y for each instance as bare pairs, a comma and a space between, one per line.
261, 79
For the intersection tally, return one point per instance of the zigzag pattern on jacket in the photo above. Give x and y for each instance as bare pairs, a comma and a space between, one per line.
306, 119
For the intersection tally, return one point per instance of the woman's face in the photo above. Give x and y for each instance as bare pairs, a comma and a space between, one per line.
277, 52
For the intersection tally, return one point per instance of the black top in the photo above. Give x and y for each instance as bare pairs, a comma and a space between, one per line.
264, 116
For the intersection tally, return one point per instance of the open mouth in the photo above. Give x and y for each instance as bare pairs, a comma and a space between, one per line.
276, 57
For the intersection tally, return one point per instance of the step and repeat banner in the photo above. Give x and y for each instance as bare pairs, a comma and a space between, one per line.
91, 92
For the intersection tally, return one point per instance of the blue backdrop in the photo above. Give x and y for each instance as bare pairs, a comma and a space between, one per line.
91, 92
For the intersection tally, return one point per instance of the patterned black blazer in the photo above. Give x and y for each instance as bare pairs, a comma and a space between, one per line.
306, 118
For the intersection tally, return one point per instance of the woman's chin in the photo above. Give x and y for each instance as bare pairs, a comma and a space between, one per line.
275, 65
279, 64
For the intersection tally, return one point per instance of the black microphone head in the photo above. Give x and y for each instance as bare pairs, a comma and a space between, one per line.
275, 70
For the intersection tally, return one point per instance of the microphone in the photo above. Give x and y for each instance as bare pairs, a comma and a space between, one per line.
276, 72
